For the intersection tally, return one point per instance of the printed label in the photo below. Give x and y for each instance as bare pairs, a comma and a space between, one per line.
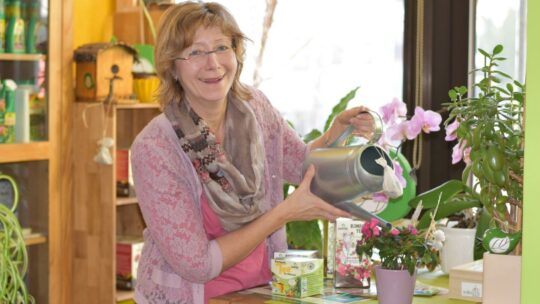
469, 289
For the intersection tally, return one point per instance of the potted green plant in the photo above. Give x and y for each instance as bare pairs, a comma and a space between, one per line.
489, 130
13, 256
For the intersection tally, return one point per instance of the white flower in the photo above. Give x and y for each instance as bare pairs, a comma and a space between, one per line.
438, 235
437, 245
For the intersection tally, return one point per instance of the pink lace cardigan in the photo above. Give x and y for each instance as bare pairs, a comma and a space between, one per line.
177, 257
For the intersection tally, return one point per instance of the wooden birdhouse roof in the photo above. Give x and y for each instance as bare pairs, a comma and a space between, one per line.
89, 52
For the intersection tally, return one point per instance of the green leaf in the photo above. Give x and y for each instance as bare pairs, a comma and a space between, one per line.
448, 208
497, 49
313, 134
452, 94
502, 74
430, 198
304, 235
484, 53
340, 107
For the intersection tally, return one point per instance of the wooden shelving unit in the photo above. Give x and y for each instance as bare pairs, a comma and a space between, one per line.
99, 215
36, 166
22, 57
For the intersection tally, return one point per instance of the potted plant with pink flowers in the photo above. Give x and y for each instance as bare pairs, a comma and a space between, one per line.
401, 251
399, 127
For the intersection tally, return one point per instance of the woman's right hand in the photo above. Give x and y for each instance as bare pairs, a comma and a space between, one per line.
302, 205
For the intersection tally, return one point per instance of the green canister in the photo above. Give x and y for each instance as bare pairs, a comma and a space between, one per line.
15, 40
2, 27
32, 24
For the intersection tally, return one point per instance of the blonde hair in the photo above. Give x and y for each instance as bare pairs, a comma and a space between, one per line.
176, 32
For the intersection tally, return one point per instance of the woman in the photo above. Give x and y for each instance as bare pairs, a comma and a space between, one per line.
209, 170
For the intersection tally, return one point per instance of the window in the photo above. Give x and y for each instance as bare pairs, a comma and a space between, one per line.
318, 51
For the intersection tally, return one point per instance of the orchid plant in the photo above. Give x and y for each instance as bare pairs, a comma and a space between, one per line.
400, 128
401, 248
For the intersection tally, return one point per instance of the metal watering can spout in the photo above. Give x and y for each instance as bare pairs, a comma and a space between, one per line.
344, 173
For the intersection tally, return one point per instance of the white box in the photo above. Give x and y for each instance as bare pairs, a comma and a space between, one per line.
466, 282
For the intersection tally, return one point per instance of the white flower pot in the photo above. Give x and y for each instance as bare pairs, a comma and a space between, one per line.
458, 248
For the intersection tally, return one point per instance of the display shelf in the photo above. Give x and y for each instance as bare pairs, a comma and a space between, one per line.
138, 105
123, 295
35, 239
100, 215
122, 201
21, 152
22, 57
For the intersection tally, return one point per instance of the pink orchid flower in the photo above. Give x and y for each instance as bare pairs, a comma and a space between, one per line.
379, 197
451, 131
393, 111
458, 151
399, 173
394, 231
428, 121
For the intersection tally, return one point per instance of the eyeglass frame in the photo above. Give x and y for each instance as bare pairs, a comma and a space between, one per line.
206, 53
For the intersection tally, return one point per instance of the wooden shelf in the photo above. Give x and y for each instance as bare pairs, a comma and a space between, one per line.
11, 153
35, 239
122, 295
121, 201
22, 57
138, 105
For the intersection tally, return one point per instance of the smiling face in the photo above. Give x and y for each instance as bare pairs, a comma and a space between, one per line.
207, 79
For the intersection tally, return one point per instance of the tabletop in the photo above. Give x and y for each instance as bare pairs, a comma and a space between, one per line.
262, 295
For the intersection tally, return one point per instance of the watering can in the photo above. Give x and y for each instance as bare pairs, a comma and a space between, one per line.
344, 173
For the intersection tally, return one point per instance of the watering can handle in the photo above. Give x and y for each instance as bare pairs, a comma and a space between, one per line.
377, 132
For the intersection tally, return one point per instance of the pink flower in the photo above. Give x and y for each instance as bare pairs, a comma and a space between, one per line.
413, 230
397, 132
379, 197
451, 131
458, 151
428, 121
394, 110
399, 173
394, 231
342, 269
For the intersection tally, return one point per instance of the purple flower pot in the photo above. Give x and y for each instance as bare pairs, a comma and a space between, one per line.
394, 286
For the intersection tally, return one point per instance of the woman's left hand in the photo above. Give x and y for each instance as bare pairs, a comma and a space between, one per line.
359, 118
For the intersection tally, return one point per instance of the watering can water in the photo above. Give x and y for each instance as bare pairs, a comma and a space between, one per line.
344, 173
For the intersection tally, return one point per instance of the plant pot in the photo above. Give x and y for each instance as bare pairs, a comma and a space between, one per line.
458, 248
394, 286
502, 279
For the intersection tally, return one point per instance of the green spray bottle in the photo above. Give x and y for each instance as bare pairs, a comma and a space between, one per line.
32, 24
15, 42
2, 27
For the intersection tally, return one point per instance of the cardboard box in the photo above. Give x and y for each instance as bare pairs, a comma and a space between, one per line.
297, 276
347, 263
502, 279
128, 253
466, 282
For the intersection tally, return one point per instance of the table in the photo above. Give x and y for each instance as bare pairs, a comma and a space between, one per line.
253, 296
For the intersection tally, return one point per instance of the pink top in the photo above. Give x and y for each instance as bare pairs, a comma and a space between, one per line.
254, 270
178, 258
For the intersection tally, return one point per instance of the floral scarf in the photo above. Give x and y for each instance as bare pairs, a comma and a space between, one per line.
231, 174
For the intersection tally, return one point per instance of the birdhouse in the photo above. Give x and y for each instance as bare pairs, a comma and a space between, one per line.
102, 69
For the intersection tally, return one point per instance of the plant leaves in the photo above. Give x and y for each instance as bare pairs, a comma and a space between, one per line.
448, 208
340, 107
497, 49
430, 198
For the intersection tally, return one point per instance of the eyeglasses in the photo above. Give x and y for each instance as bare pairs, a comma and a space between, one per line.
198, 55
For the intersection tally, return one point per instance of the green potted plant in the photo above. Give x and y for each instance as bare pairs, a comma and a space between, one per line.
13, 255
489, 130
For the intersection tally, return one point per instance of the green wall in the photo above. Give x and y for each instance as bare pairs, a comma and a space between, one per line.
531, 209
